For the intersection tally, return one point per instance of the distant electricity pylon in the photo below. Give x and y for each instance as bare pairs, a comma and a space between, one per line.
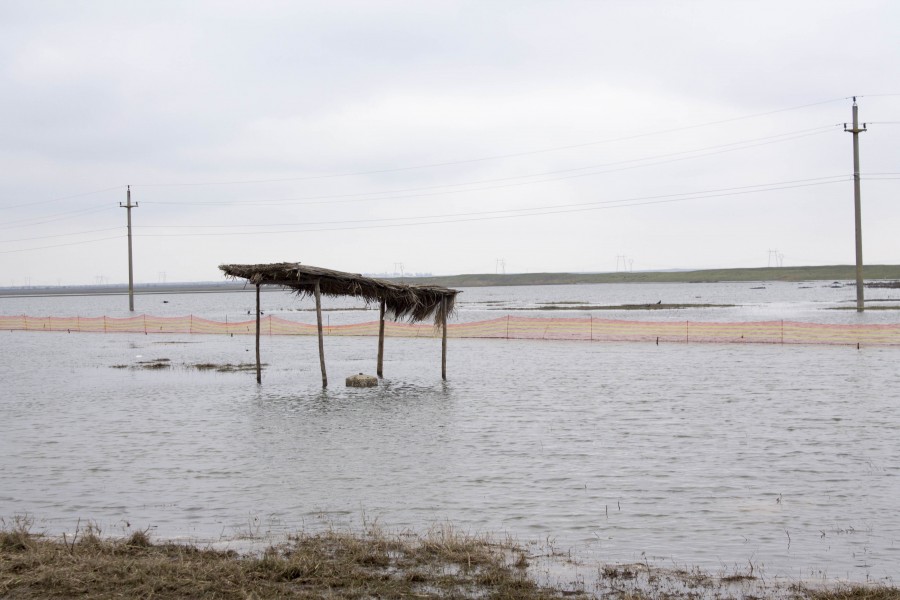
128, 205
500, 266
860, 301
776, 257
627, 263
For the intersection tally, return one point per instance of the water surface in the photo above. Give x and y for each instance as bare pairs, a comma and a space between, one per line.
704, 455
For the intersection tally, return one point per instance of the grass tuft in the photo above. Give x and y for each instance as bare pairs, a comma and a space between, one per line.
16, 536
441, 564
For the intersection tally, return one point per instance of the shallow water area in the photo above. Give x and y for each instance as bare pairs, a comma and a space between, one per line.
696, 455
812, 301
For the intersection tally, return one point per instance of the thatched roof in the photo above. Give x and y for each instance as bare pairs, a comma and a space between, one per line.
407, 302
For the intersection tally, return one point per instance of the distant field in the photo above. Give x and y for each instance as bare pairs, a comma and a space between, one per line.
825, 273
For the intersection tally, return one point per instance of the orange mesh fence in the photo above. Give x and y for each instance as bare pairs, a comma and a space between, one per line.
509, 327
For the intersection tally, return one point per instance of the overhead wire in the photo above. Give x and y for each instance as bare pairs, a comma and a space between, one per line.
374, 196
60, 199
484, 215
115, 237
503, 214
59, 235
21, 223
760, 187
498, 156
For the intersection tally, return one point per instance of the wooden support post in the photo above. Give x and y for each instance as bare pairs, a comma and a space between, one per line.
444, 339
258, 366
321, 341
380, 370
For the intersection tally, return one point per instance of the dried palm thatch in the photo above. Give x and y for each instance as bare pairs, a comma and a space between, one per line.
411, 303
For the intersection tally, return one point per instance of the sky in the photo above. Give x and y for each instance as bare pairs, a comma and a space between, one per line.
443, 137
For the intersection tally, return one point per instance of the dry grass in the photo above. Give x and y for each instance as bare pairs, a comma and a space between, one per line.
856, 593
641, 581
441, 564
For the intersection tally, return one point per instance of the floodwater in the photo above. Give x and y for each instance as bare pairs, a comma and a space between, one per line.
813, 301
716, 456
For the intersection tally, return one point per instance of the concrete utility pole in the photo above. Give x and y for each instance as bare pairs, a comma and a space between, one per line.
860, 302
128, 205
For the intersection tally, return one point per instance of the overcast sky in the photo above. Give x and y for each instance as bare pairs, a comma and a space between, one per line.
449, 137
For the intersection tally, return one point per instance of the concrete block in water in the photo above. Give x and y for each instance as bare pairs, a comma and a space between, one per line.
362, 381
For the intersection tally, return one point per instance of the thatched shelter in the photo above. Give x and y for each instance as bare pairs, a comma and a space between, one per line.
411, 303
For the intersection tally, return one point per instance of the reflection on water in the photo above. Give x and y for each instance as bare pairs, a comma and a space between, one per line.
699, 455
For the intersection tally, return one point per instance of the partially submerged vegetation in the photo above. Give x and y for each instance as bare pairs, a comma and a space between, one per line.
868, 307
225, 367
440, 564
653, 306
443, 563
165, 363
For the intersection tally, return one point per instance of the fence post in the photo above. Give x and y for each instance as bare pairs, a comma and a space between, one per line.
104, 323
687, 332
507, 326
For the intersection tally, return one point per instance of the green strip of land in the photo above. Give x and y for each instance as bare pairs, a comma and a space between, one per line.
822, 273
844, 273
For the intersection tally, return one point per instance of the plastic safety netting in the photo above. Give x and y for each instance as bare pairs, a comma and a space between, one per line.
509, 327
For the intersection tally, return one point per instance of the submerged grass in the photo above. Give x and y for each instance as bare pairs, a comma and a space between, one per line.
225, 367
443, 563
868, 307
165, 363
656, 306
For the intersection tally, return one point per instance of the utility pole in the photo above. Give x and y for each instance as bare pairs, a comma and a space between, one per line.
128, 205
860, 302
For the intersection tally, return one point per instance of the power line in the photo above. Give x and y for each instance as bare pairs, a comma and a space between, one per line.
343, 198
498, 156
754, 187
59, 235
61, 198
748, 143
499, 214
22, 223
115, 237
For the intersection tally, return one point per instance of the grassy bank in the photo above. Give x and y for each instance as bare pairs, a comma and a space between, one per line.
440, 564
822, 273
874, 273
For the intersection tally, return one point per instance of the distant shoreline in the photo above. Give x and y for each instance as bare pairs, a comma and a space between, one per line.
794, 274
